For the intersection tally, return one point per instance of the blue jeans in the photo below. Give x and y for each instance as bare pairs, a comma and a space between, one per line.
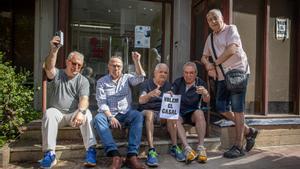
226, 99
133, 119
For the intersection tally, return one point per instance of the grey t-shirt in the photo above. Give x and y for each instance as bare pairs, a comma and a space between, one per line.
64, 93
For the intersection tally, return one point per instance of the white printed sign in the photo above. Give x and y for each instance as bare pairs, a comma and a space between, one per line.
170, 106
142, 36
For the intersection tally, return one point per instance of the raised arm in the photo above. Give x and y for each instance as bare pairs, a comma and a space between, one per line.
136, 57
50, 61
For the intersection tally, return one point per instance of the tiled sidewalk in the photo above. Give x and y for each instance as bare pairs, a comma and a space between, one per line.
283, 157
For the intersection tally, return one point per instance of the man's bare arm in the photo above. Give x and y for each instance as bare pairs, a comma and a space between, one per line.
205, 61
136, 57
229, 51
83, 103
50, 61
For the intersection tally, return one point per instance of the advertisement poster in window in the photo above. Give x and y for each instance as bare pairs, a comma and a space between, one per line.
142, 36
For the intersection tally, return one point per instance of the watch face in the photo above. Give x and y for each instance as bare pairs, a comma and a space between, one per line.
82, 111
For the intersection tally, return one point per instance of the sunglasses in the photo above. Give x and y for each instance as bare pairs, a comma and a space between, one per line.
76, 64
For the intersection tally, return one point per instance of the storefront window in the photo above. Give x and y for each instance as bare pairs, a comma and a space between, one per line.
17, 32
104, 28
248, 19
282, 57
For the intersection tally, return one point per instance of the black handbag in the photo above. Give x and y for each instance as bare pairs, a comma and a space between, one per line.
235, 79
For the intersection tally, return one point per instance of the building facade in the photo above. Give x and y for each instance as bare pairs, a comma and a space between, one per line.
169, 31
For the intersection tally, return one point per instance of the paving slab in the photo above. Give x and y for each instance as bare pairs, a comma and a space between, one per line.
281, 157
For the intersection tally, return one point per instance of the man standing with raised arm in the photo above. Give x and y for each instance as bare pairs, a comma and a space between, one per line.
68, 105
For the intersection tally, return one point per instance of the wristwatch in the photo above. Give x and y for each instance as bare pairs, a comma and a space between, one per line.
82, 111
110, 117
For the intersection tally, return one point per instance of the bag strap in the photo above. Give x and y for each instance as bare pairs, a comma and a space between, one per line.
214, 52
215, 55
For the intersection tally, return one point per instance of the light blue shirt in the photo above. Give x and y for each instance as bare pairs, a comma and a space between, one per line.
116, 97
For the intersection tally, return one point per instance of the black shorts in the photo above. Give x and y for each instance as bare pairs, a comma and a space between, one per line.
187, 117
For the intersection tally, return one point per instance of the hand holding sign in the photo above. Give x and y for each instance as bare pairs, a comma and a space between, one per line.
170, 106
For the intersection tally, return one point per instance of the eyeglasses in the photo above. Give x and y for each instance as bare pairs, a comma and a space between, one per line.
116, 66
76, 64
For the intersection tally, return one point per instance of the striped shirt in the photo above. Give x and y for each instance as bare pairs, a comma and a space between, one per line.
116, 97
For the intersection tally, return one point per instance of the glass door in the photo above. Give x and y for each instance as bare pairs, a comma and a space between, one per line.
101, 29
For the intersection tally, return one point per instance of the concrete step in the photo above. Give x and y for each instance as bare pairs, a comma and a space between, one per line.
32, 131
272, 132
70, 144
30, 151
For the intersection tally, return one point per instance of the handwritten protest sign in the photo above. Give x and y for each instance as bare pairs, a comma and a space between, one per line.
170, 106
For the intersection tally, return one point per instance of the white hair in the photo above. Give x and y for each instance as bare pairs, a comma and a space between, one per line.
75, 53
192, 64
161, 65
215, 11
116, 57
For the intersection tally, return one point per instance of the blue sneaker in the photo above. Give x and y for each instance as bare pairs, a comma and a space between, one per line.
90, 158
176, 152
152, 160
48, 161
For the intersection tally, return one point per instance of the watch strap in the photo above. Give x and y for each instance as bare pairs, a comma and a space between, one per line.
82, 111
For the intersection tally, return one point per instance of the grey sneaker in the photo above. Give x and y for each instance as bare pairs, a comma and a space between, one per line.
234, 152
250, 139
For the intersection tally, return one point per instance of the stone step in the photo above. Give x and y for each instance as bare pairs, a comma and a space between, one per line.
272, 132
33, 132
31, 151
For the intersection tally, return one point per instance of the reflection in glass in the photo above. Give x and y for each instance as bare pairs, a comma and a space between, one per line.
104, 28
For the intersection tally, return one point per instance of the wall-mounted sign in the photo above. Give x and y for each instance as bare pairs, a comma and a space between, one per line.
281, 28
142, 36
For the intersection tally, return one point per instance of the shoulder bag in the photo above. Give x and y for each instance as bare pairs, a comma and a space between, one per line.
235, 79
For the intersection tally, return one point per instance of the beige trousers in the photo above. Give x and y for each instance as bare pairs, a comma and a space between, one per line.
54, 119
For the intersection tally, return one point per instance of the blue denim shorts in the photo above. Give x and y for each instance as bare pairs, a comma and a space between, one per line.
228, 101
